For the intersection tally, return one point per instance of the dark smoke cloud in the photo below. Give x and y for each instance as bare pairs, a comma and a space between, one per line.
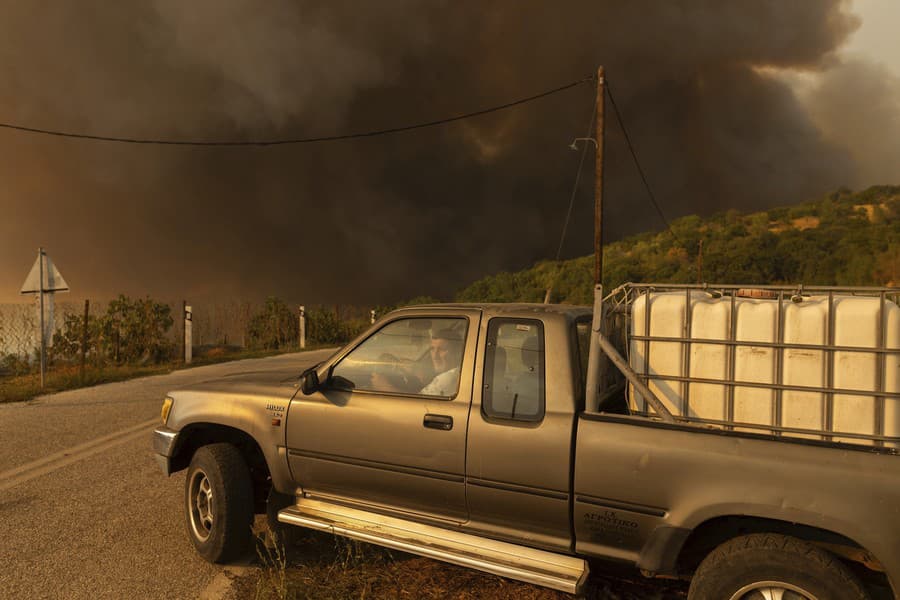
387, 218
857, 105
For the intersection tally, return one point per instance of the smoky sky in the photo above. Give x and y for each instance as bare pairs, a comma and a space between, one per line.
425, 212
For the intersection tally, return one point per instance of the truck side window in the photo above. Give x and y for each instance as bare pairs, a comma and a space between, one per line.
514, 370
419, 356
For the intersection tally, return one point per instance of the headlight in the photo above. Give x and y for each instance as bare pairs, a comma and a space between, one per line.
166, 407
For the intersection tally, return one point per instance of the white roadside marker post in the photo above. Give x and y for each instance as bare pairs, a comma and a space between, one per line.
302, 327
188, 334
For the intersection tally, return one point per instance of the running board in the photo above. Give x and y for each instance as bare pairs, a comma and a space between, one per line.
549, 569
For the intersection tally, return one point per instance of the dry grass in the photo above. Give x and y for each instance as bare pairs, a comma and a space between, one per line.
207, 355
58, 378
806, 223
317, 566
801, 224
869, 209
18, 388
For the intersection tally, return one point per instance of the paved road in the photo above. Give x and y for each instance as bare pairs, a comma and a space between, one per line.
84, 510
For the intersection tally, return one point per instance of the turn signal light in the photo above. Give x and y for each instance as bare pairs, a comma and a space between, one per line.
166, 407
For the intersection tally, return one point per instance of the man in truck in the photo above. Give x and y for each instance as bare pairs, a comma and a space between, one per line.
446, 355
436, 373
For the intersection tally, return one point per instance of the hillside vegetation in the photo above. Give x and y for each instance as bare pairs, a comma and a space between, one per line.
846, 238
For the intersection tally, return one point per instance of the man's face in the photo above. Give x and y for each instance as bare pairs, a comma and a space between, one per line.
441, 354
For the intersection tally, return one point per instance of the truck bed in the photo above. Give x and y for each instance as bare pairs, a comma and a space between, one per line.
641, 486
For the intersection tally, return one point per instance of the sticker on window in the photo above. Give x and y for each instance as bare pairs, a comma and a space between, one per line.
523, 327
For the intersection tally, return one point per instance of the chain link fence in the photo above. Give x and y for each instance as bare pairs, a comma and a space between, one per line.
141, 331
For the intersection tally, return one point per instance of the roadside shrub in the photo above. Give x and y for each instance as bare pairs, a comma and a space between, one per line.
131, 331
274, 326
135, 330
324, 327
67, 340
14, 364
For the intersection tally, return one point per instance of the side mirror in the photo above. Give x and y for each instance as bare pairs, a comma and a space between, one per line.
309, 381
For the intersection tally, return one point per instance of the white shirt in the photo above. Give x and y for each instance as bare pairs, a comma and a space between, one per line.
443, 384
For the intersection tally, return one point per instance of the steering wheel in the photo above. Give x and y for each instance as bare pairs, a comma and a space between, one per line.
388, 368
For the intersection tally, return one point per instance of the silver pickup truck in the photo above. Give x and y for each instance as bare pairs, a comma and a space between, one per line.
463, 432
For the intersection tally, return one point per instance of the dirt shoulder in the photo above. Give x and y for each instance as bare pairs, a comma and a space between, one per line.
318, 566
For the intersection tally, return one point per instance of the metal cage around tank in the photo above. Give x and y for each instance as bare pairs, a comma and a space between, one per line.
885, 348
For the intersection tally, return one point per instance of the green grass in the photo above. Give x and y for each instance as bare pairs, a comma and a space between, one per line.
58, 378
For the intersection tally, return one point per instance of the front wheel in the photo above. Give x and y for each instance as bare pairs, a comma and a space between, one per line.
773, 567
219, 503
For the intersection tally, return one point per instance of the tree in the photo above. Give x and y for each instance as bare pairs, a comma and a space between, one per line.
131, 331
887, 266
274, 326
135, 330
845, 248
68, 340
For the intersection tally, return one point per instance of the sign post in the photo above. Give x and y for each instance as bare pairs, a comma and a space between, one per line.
44, 278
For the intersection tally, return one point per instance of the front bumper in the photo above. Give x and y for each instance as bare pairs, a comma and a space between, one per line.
164, 441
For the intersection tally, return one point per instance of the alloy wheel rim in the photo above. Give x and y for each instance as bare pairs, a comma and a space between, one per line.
201, 505
772, 590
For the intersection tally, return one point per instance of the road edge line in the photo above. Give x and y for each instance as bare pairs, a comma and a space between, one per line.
75, 454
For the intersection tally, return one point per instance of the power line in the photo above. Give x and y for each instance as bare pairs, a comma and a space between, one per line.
309, 140
584, 151
562, 237
638, 165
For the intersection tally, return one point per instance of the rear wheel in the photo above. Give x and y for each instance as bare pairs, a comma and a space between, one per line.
219, 502
773, 567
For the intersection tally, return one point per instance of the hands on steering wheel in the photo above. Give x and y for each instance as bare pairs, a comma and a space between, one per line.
389, 376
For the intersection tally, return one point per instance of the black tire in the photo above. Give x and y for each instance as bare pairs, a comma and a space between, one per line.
218, 494
753, 562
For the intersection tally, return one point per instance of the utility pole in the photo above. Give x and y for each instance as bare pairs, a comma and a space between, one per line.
598, 183
700, 263
594, 374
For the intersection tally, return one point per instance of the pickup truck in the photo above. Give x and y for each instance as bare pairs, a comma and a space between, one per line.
463, 432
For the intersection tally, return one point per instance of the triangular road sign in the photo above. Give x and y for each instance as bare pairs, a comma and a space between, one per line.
53, 279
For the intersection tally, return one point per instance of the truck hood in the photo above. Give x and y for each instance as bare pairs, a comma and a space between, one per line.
274, 383
250, 401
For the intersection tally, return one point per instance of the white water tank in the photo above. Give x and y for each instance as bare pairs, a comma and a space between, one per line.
804, 321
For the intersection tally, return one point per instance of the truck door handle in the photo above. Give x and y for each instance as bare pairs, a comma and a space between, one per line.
442, 422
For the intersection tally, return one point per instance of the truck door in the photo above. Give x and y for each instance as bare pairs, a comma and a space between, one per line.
520, 433
388, 429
